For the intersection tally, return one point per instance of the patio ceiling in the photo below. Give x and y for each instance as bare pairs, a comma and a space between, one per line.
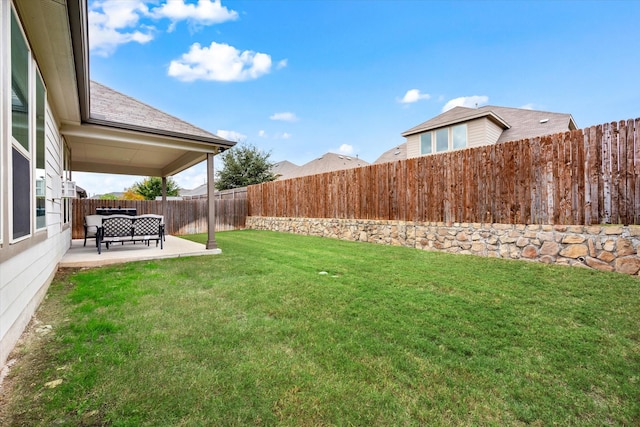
105, 149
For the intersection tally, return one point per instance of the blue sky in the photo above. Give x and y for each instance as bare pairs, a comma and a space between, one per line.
299, 78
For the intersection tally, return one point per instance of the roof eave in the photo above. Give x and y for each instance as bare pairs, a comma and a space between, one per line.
78, 18
223, 144
489, 114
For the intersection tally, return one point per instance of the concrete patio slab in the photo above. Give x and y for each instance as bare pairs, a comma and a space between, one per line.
87, 256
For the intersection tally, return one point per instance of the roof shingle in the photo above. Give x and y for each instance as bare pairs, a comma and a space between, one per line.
112, 106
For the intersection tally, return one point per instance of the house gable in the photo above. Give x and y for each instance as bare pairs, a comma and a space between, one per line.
482, 126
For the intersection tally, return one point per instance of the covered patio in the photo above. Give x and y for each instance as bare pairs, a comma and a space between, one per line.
121, 135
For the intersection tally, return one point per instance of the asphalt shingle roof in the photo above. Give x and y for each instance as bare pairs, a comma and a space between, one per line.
115, 107
284, 169
328, 162
396, 153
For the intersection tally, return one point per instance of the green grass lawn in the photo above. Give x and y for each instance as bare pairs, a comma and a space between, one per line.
389, 336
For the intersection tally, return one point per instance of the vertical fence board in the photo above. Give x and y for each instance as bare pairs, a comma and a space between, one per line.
636, 169
615, 172
629, 173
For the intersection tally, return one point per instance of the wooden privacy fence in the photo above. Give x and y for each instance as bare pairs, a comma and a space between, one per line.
181, 216
587, 176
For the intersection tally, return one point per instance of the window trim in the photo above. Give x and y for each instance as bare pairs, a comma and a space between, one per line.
14, 143
434, 140
35, 83
34, 168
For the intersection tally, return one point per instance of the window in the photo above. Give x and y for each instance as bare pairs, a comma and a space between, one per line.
40, 178
21, 199
442, 140
446, 139
20, 155
28, 139
19, 85
425, 143
459, 137
67, 177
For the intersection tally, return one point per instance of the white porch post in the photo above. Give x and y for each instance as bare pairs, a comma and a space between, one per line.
164, 196
211, 225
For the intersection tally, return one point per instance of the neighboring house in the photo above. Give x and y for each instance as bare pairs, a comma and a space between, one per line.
396, 153
328, 162
284, 169
200, 192
195, 193
463, 127
54, 121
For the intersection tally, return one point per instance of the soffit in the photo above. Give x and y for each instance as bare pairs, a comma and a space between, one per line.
103, 149
458, 115
46, 24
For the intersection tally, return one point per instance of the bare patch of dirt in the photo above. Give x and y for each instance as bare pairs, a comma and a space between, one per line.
31, 353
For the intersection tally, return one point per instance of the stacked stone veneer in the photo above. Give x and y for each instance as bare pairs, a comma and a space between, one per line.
606, 248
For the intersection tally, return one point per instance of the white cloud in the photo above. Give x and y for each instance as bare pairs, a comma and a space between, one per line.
529, 106
205, 12
277, 135
284, 117
282, 63
116, 22
231, 135
345, 149
466, 101
413, 95
111, 24
219, 62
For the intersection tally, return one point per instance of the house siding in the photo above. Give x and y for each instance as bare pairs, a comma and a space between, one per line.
28, 266
54, 170
493, 132
413, 146
482, 132
26, 275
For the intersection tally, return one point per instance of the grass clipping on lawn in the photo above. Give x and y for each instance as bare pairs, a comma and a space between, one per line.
295, 330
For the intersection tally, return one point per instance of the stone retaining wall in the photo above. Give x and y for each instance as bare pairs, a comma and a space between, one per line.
606, 248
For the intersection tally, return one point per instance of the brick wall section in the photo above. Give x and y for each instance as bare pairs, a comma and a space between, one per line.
606, 248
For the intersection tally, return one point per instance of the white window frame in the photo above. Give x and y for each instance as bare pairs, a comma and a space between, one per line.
15, 144
434, 146
34, 134
29, 153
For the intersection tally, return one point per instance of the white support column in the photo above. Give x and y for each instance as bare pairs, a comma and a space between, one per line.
164, 196
211, 225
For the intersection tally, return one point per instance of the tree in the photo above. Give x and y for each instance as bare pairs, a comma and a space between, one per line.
151, 187
243, 165
129, 194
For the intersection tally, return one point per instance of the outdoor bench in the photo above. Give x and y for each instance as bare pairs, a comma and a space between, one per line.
123, 228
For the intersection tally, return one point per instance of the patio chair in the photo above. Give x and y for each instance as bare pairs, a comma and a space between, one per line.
115, 229
91, 225
161, 223
147, 228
